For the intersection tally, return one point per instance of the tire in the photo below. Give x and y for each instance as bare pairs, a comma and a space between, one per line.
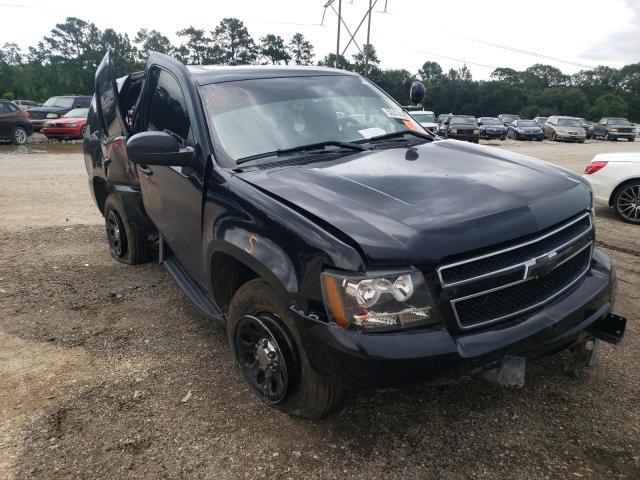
626, 201
476, 140
19, 135
554, 137
127, 243
298, 390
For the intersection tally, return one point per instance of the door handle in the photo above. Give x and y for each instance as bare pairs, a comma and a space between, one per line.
106, 161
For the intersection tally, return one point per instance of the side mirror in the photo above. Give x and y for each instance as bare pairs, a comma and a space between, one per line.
417, 93
158, 148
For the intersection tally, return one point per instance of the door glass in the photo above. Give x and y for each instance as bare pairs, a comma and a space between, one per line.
104, 88
167, 107
3, 108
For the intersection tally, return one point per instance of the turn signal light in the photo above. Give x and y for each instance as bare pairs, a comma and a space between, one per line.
593, 167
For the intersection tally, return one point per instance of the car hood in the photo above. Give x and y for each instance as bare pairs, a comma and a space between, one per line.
428, 124
417, 206
570, 129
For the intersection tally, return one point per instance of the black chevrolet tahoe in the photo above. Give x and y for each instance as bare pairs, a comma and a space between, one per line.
342, 245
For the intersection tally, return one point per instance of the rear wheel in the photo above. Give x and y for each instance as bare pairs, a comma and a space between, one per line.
19, 135
260, 329
128, 243
627, 202
554, 137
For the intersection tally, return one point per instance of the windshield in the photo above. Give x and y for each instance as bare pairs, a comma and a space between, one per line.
490, 121
568, 122
253, 117
78, 112
423, 117
542, 119
527, 123
62, 102
462, 121
617, 121
510, 118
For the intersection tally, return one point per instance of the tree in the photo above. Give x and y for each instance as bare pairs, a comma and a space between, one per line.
430, 72
125, 53
272, 48
197, 49
152, 40
544, 76
507, 75
358, 65
330, 61
609, 105
397, 84
464, 73
300, 50
233, 44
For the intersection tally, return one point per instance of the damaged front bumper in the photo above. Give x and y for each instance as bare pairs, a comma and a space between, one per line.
380, 361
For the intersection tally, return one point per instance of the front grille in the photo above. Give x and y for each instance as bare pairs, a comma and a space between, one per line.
516, 279
38, 115
523, 297
512, 257
625, 130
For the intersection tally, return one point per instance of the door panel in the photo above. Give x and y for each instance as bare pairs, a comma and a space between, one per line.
173, 195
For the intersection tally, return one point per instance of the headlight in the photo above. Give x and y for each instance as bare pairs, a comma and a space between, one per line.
70, 125
378, 302
454, 130
52, 115
613, 130
476, 131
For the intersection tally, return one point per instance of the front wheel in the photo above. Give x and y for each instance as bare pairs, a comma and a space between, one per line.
19, 136
627, 202
259, 328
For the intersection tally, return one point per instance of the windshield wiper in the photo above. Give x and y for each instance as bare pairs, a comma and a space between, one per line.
391, 136
303, 148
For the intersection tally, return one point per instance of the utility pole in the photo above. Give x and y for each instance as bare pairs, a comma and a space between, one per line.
366, 47
339, 22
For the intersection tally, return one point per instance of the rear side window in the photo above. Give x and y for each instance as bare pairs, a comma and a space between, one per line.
82, 103
168, 107
4, 108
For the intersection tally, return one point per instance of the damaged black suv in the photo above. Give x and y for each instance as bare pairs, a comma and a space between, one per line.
341, 244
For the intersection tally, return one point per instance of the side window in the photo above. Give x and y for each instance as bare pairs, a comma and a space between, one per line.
602, 121
81, 103
104, 89
11, 107
3, 108
167, 108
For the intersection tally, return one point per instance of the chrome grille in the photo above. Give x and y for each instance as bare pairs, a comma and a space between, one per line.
511, 281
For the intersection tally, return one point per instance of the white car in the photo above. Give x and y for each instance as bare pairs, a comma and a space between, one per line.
426, 118
615, 179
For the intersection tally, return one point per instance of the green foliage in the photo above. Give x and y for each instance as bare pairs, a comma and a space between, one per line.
300, 50
273, 50
65, 60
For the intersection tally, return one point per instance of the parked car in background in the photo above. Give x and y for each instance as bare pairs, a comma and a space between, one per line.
427, 119
55, 107
462, 127
587, 127
72, 124
507, 118
564, 128
525, 130
615, 180
491, 127
441, 120
540, 121
613, 128
26, 104
15, 124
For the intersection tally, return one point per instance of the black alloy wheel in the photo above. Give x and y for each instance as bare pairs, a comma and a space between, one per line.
116, 234
627, 203
265, 356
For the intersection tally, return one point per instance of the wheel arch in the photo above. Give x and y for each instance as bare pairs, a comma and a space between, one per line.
621, 185
100, 192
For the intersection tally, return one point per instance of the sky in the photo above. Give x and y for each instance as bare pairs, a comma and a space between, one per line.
484, 34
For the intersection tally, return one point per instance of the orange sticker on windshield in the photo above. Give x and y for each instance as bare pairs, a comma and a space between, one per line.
410, 125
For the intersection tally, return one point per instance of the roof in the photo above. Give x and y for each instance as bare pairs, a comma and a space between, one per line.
206, 74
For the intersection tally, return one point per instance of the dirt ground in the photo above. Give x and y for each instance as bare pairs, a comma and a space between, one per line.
95, 358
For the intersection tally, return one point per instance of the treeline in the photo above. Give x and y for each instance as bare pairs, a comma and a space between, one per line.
65, 61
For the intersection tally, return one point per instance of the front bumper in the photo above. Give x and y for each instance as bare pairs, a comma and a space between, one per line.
530, 136
491, 135
59, 132
464, 135
378, 361
570, 138
628, 136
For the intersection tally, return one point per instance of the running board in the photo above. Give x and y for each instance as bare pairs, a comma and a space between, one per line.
195, 293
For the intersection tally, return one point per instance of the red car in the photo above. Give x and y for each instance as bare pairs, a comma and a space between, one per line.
72, 125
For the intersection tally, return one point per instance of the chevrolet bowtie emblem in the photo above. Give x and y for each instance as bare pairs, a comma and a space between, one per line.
540, 266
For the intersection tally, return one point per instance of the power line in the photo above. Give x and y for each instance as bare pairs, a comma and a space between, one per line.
455, 59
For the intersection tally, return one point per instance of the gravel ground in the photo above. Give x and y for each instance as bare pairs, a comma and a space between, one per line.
95, 358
